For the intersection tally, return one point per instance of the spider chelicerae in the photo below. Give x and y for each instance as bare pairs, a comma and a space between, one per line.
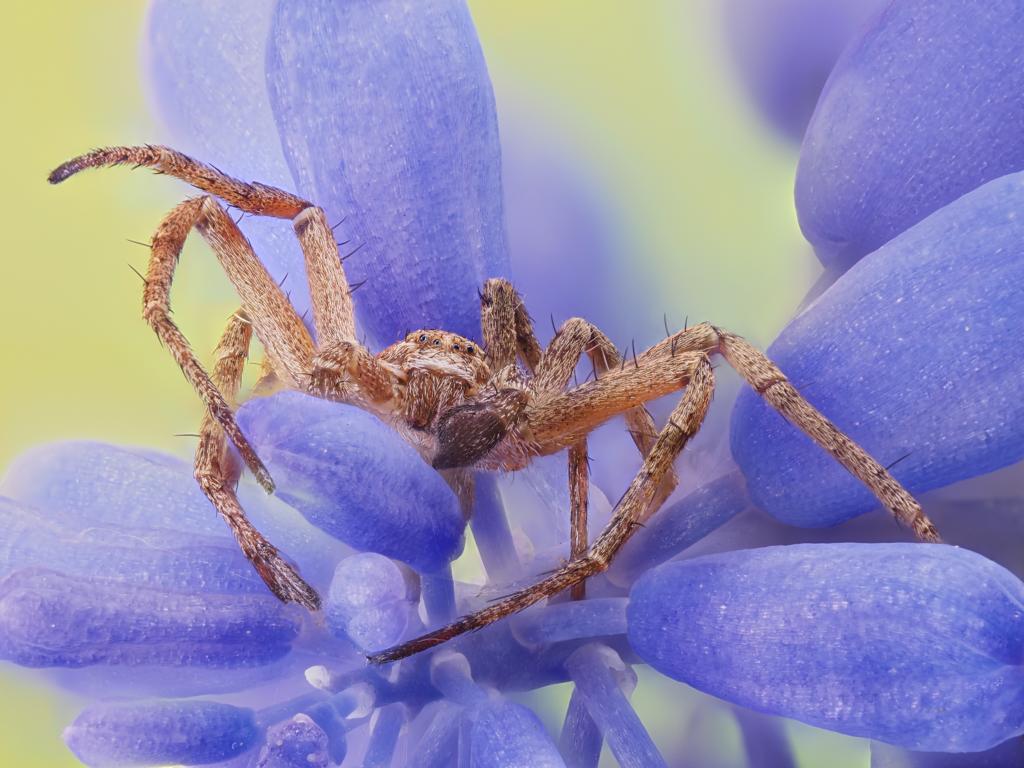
462, 406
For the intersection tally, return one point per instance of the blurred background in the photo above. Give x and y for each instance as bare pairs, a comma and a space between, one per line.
638, 107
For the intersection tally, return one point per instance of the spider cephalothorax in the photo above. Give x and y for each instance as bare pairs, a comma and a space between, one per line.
461, 406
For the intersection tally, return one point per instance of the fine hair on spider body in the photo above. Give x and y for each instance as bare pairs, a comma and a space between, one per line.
462, 406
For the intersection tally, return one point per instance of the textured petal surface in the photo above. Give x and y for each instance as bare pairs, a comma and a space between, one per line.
352, 476
386, 117
189, 732
295, 743
785, 49
1009, 754
923, 108
48, 619
206, 66
917, 353
916, 645
506, 734
369, 601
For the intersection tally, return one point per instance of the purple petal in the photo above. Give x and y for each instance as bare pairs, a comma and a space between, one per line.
580, 741
160, 733
505, 734
567, 621
48, 619
387, 118
384, 736
295, 743
1009, 754
206, 66
919, 645
917, 353
355, 478
785, 49
369, 601
922, 109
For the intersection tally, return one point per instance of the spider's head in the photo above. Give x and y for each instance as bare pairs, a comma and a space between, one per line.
443, 353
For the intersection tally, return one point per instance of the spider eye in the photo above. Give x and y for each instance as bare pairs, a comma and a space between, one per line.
437, 342
469, 349
423, 337
455, 347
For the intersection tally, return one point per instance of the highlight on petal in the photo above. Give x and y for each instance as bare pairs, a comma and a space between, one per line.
206, 67
48, 619
913, 116
504, 733
387, 118
161, 733
917, 353
916, 645
355, 478
785, 49
369, 601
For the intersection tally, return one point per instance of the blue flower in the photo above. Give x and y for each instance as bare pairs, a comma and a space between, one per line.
119, 580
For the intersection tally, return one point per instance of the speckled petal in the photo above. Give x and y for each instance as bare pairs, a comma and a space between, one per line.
352, 476
923, 108
506, 734
918, 645
295, 743
160, 733
369, 601
1009, 754
917, 353
386, 117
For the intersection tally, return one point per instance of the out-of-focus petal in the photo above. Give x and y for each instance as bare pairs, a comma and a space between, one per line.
48, 619
369, 601
917, 353
785, 49
386, 117
912, 644
1009, 754
206, 65
352, 476
295, 743
921, 109
161, 733
505, 733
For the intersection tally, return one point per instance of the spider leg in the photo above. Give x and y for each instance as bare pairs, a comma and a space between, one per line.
633, 508
217, 473
579, 493
345, 371
769, 382
507, 327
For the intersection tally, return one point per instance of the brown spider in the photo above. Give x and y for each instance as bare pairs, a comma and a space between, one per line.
461, 406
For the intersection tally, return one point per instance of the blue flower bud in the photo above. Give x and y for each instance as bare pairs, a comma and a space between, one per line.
912, 118
369, 601
917, 353
48, 619
353, 477
418, 178
916, 645
160, 733
295, 743
504, 734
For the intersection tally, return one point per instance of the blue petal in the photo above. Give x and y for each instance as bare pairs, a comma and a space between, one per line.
1009, 754
48, 619
295, 743
912, 644
387, 118
355, 478
917, 353
206, 66
81, 486
159, 733
923, 108
505, 734
785, 49
368, 601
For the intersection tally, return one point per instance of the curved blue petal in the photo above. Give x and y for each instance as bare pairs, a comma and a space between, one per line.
161, 733
206, 66
785, 49
387, 118
369, 601
1009, 754
917, 353
352, 476
918, 645
82, 486
504, 734
48, 619
923, 108
295, 743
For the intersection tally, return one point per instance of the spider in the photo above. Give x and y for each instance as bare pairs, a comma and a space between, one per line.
462, 406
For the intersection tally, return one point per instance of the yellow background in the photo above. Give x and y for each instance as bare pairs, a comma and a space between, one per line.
702, 189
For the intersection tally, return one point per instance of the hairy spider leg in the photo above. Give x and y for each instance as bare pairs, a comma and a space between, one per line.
217, 472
